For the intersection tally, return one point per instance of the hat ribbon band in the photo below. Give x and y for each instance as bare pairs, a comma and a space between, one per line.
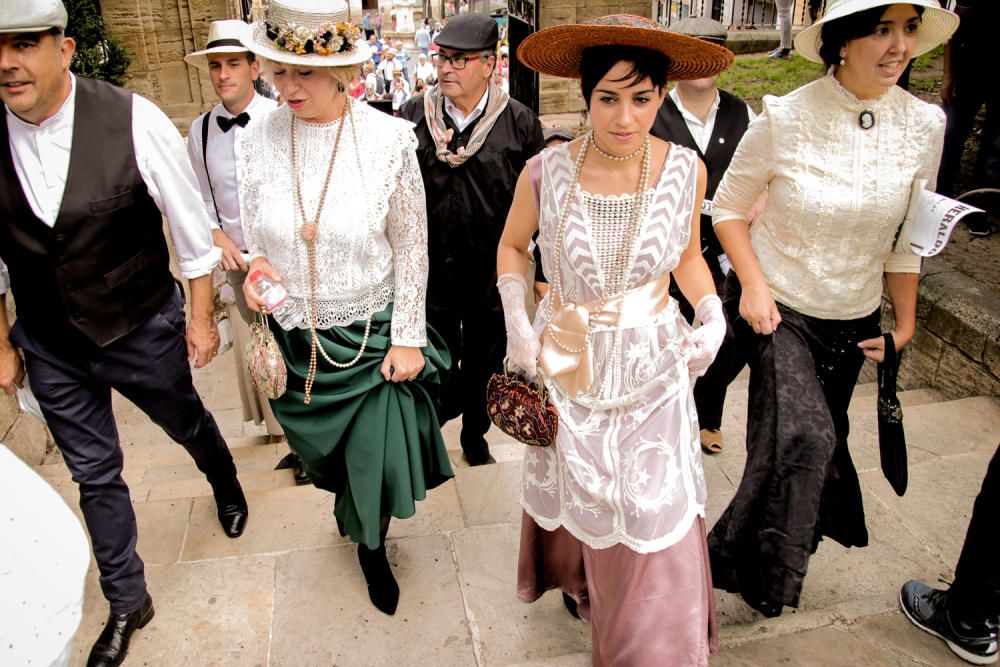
229, 41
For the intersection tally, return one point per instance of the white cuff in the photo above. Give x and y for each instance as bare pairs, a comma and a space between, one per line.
201, 266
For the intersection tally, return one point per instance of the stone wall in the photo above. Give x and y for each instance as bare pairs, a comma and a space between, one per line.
957, 346
159, 33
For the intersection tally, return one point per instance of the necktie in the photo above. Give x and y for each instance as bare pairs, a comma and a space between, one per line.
226, 124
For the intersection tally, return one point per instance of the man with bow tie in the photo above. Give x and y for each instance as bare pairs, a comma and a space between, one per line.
211, 149
87, 172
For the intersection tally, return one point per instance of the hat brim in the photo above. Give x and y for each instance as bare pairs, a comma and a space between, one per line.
263, 47
29, 29
936, 27
199, 59
559, 50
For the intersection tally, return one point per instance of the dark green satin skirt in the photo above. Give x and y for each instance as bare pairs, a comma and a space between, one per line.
377, 445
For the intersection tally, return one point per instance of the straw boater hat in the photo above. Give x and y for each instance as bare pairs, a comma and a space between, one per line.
558, 50
312, 33
936, 25
223, 37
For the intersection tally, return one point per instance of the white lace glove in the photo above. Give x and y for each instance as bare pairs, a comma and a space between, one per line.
522, 344
707, 339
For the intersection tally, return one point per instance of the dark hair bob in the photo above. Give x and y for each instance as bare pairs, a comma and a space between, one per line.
597, 61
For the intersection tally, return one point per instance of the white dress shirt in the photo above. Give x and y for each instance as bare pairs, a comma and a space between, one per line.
701, 131
461, 120
837, 193
41, 155
222, 156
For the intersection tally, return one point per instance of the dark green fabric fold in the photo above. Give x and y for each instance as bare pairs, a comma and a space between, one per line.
375, 444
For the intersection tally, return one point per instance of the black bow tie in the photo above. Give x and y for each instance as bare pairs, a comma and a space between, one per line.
226, 124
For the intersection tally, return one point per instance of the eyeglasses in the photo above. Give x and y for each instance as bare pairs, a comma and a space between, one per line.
456, 62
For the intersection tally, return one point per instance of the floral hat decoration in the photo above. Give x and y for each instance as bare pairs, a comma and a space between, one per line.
558, 50
314, 33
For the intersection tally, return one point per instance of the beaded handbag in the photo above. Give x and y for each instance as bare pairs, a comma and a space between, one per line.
264, 361
521, 409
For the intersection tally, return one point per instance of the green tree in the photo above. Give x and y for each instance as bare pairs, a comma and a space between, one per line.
98, 55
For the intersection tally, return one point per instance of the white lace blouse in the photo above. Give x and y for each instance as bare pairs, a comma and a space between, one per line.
837, 194
371, 247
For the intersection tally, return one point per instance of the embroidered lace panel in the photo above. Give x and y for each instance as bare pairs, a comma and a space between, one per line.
372, 243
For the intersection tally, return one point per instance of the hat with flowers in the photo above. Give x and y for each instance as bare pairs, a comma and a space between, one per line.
313, 33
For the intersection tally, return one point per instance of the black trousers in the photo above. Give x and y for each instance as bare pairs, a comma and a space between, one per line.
73, 381
976, 90
975, 594
710, 389
469, 316
799, 482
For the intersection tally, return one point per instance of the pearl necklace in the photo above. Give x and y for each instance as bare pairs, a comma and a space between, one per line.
618, 279
617, 158
308, 232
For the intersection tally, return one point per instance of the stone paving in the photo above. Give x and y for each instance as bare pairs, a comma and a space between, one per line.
290, 592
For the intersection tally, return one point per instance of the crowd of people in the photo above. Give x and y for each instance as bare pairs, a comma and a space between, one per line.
680, 239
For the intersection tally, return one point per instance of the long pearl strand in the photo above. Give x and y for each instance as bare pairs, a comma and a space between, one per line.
618, 278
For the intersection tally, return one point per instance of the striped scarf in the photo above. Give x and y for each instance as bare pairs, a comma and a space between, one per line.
442, 134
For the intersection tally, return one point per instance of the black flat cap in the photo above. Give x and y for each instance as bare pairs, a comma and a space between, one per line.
469, 32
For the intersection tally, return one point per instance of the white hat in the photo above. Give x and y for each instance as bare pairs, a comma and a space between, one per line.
31, 16
314, 33
223, 37
936, 25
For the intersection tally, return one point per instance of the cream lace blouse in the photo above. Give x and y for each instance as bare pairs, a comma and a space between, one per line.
372, 242
837, 194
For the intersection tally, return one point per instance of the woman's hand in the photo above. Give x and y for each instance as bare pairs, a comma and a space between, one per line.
874, 348
758, 308
707, 338
254, 301
402, 362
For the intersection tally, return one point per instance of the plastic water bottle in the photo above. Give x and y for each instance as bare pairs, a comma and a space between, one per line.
273, 294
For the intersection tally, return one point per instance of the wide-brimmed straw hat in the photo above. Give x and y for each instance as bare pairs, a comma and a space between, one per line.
313, 33
936, 25
558, 50
223, 37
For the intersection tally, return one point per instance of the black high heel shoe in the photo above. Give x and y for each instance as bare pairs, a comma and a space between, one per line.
383, 590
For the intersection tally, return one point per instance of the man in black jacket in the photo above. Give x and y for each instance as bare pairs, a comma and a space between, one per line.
86, 172
474, 141
698, 115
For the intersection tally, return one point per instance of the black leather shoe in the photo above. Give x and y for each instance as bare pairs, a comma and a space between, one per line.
232, 506
479, 461
293, 462
383, 590
570, 605
769, 608
110, 648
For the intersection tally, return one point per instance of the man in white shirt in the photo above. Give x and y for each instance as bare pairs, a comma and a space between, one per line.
211, 149
87, 170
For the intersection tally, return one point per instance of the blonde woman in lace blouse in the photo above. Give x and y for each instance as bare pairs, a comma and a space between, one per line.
614, 510
839, 157
333, 208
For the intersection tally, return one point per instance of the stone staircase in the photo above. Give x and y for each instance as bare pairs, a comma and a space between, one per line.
290, 592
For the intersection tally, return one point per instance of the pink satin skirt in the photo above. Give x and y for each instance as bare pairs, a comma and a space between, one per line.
644, 609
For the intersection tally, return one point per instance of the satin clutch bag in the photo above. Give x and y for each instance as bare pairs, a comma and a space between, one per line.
265, 364
521, 409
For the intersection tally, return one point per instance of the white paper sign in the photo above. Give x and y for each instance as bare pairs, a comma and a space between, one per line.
932, 217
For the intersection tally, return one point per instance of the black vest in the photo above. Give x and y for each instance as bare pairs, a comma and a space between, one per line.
731, 123
103, 269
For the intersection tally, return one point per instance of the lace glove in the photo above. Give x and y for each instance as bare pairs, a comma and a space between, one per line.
707, 339
522, 344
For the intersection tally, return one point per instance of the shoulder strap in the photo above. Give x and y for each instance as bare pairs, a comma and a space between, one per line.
204, 160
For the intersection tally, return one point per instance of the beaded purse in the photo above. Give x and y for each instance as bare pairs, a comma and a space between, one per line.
264, 361
521, 409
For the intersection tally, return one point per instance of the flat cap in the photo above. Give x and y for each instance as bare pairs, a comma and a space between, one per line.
558, 132
701, 27
31, 15
469, 32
